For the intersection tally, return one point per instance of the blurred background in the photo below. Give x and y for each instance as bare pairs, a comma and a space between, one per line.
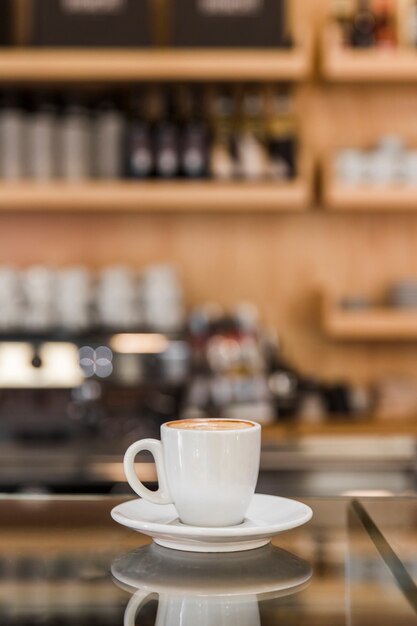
207, 207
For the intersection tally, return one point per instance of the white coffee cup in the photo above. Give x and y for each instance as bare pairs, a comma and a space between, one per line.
207, 468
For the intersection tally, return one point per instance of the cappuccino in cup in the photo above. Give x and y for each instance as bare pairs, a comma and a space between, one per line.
210, 424
207, 468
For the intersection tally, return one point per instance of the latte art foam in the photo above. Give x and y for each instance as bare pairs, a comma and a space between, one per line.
210, 424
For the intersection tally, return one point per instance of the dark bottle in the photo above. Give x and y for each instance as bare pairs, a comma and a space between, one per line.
194, 145
139, 148
166, 141
364, 26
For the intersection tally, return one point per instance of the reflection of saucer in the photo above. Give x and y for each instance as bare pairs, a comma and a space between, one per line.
267, 516
265, 572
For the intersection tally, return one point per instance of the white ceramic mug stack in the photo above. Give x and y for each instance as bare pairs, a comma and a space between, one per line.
38, 284
116, 299
73, 298
10, 299
161, 299
208, 471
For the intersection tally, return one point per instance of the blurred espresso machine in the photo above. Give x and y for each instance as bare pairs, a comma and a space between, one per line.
86, 367
90, 363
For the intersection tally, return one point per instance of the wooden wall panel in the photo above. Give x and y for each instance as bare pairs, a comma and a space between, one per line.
281, 262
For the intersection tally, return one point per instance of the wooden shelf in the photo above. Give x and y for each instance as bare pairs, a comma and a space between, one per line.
370, 198
117, 65
376, 324
340, 196
366, 65
164, 196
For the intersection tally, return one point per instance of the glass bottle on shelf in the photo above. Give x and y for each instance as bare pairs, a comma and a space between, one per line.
109, 128
284, 382
167, 147
42, 132
364, 26
250, 142
139, 147
342, 17
194, 135
12, 137
223, 149
282, 138
385, 27
75, 140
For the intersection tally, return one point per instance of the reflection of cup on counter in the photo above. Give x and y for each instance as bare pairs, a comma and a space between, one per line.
193, 611
240, 577
212, 589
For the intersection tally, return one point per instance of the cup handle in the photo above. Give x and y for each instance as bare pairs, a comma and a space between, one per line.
162, 496
136, 602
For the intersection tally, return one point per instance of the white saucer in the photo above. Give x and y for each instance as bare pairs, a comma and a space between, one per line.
267, 516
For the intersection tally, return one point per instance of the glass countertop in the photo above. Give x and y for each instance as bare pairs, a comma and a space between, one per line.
64, 561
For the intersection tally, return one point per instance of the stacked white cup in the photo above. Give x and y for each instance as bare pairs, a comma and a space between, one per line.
38, 285
116, 298
409, 167
10, 299
73, 299
40, 298
161, 299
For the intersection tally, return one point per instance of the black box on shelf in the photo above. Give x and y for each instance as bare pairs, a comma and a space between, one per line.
228, 23
91, 23
6, 22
